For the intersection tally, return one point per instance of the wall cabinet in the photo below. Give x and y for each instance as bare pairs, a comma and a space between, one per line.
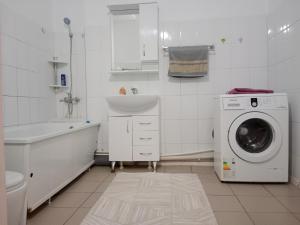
149, 32
134, 138
134, 37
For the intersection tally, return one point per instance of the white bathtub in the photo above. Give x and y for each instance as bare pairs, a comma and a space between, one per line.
50, 155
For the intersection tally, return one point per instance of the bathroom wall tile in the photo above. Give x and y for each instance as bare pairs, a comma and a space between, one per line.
10, 109
9, 80
171, 149
172, 131
23, 61
34, 110
259, 78
205, 128
189, 107
23, 81
8, 50
23, 110
7, 21
171, 107
205, 106
189, 86
240, 78
189, 131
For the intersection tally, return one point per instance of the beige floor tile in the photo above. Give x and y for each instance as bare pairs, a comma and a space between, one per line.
297, 215
233, 218
291, 203
225, 203
208, 178
83, 186
261, 204
133, 169
91, 200
283, 190
51, 216
274, 219
177, 169
102, 187
78, 216
94, 176
69, 200
203, 169
217, 189
249, 190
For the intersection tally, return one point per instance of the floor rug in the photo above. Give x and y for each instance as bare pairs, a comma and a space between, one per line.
152, 199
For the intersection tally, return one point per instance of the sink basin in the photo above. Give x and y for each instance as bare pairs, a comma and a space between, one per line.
132, 103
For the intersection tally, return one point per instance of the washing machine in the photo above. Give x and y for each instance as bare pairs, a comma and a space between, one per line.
251, 138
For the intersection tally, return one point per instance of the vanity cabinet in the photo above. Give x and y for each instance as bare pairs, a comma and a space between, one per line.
134, 138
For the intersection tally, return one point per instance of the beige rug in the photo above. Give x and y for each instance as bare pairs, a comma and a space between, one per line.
152, 199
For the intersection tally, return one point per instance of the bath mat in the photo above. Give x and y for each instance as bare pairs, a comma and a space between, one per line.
152, 199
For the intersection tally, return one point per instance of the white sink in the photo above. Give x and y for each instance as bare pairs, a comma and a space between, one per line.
132, 103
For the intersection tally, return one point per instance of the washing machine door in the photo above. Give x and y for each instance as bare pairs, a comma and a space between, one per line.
255, 137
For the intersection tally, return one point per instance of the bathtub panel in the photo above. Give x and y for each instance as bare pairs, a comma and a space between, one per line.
52, 162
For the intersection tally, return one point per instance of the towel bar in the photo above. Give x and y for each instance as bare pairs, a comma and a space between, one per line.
210, 47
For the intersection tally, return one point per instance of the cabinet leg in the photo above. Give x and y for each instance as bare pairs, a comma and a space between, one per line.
113, 164
154, 166
149, 165
121, 165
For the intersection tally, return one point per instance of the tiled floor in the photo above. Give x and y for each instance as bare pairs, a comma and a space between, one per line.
233, 204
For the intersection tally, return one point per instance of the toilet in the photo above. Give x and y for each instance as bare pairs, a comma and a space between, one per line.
16, 198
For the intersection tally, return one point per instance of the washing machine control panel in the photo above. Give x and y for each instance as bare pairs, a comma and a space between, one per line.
255, 102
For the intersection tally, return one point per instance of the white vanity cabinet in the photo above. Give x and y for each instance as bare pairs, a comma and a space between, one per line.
134, 138
149, 32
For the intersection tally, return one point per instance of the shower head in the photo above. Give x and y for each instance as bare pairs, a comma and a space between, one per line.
67, 22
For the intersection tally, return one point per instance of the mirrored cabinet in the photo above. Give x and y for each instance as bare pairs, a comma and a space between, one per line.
134, 38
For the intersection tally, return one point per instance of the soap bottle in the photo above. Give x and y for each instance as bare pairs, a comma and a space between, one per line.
122, 91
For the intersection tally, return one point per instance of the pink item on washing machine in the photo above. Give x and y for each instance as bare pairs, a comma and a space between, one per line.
236, 91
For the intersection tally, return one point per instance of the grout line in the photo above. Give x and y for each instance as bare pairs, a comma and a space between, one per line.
244, 208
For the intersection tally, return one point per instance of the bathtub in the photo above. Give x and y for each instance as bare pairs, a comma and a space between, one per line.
50, 155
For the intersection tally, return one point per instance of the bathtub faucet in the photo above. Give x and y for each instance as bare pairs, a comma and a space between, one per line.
70, 101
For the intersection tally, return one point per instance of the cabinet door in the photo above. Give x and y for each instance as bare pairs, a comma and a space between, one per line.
120, 139
149, 32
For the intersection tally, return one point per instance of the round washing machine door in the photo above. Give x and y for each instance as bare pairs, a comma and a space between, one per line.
255, 137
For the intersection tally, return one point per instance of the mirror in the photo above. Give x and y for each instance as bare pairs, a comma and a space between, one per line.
125, 42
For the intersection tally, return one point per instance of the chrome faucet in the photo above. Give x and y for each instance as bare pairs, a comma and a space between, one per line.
134, 91
70, 101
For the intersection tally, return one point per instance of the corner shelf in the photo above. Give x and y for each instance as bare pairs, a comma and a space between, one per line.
120, 72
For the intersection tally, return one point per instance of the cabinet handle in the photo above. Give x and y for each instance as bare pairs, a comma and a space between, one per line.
145, 154
144, 50
145, 139
127, 127
145, 123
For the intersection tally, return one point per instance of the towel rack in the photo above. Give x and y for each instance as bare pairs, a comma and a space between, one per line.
210, 48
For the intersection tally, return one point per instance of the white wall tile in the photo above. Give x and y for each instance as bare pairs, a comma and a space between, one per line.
189, 131
9, 80
8, 50
189, 107
205, 131
172, 131
23, 80
205, 106
10, 108
24, 110
171, 107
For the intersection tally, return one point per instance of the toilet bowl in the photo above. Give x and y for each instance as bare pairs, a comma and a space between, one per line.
16, 198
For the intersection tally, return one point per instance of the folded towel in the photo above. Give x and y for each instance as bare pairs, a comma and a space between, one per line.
249, 91
189, 61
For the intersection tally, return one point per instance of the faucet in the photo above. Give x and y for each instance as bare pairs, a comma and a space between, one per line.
70, 101
134, 90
